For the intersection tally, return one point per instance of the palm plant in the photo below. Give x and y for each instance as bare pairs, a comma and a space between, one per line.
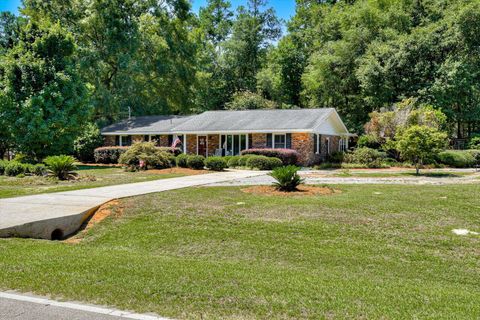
61, 166
287, 178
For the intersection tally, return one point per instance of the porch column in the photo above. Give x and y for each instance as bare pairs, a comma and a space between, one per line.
184, 143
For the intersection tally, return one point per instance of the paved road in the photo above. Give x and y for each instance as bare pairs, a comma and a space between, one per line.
24, 307
62, 213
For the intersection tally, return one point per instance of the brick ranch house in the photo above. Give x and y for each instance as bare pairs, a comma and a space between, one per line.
313, 133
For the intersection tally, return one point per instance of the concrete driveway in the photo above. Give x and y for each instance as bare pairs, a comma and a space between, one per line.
56, 215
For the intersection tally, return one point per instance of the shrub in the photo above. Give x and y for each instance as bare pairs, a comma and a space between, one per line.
61, 167
86, 143
368, 141
39, 169
335, 157
181, 160
242, 160
233, 161
196, 162
370, 157
215, 163
144, 155
287, 178
457, 159
108, 155
263, 163
474, 142
287, 156
14, 168
23, 158
175, 151
3, 164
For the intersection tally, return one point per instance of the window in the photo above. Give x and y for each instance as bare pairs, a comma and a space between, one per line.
233, 144
342, 145
279, 141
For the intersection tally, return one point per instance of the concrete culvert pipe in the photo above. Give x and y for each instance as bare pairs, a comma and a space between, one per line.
57, 234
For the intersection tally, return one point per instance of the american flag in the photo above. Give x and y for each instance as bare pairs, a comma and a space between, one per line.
176, 142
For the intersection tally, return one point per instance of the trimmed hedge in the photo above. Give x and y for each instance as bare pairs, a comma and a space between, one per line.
242, 160
264, 163
196, 162
457, 158
233, 161
215, 163
287, 156
367, 156
14, 168
108, 155
181, 160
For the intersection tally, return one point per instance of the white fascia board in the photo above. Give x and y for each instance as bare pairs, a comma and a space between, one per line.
211, 132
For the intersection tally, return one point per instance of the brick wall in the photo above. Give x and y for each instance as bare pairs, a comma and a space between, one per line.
259, 140
303, 144
191, 144
109, 141
163, 141
137, 139
213, 143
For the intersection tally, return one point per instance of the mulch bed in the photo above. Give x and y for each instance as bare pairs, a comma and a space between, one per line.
303, 190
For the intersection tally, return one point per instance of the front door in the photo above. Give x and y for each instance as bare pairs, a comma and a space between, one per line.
202, 146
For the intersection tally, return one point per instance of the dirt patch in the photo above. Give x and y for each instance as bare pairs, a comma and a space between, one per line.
185, 171
303, 190
113, 208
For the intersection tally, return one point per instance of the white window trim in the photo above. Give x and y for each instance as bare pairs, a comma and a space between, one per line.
284, 143
327, 143
318, 143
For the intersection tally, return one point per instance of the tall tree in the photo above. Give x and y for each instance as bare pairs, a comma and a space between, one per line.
42, 98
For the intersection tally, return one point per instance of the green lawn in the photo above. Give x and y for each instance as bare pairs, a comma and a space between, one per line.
89, 177
372, 251
423, 173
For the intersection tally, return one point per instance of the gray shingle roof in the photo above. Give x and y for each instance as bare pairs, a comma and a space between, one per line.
146, 125
271, 120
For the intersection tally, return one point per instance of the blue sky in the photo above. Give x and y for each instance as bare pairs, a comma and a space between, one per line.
285, 8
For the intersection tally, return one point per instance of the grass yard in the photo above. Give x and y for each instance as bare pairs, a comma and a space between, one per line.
89, 177
372, 251
423, 173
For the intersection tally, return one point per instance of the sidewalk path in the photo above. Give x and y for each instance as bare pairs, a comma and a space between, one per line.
55, 215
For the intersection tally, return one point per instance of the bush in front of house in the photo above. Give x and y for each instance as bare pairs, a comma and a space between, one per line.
335, 157
457, 158
3, 164
287, 178
14, 168
61, 167
85, 144
263, 162
215, 163
242, 160
108, 155
233, 161
174, 151
196, 162
287, 156
370, 157
181, 160
144, 155
474, 142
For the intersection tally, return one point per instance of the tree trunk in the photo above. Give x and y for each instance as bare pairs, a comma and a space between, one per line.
417, 169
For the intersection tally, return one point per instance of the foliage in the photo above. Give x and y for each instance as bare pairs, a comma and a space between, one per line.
3, 165
246, 100
43, 100
85, 144
369, 141
287, 178
288, 156
242, 160
39, 169
108, 155
474, 142
263, 162
457, 159
367, 156
62, 166
196, 162
420, 143
335, 157
233, 161
181, 160
144, 155
14, 168
215, 163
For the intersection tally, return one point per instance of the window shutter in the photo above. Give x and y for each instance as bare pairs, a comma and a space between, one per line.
288, 141
315, 143
250, 141
319, 143
117, 140
269, 140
